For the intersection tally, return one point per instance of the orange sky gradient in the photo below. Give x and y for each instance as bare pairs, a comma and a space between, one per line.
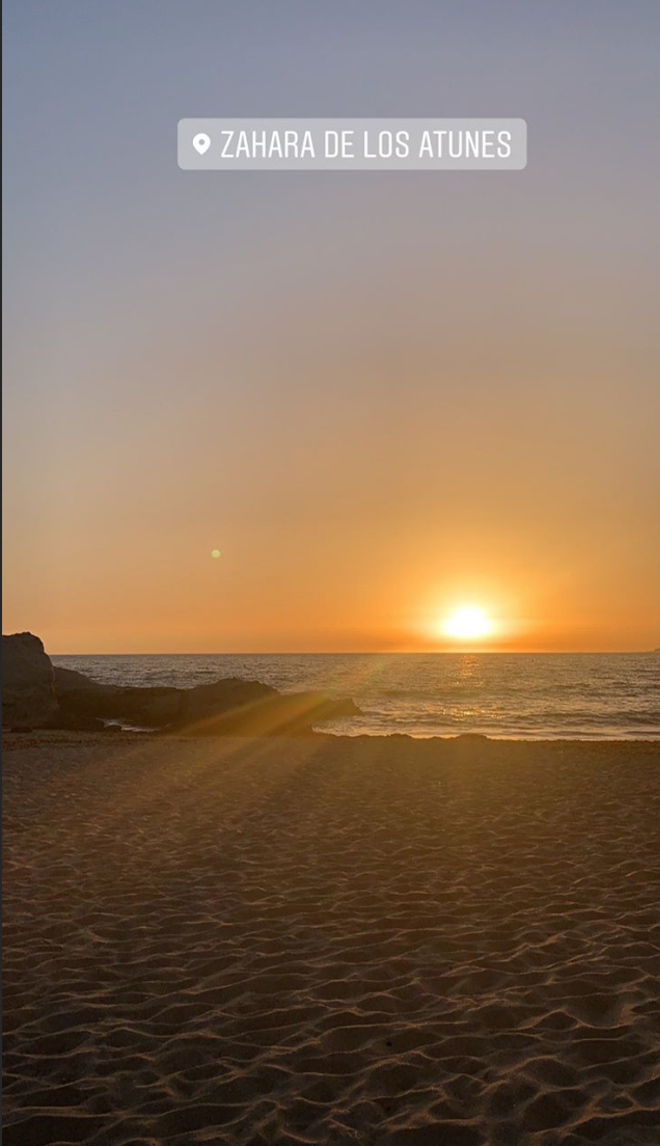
380, 396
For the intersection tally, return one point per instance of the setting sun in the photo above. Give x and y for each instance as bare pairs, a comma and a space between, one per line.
467, 623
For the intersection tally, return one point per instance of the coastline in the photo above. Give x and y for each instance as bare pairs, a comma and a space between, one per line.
116, 735
528, 696
324, 939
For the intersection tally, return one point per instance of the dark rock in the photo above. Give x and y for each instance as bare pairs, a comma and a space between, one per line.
247, 707
144, 707
81, 698
151, 707
227, 707
70, 722
224, 695
101, 703
28, 693
66, 680
83, 703
270, 714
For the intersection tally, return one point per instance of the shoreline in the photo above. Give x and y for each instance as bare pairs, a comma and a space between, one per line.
116, 735
511, 697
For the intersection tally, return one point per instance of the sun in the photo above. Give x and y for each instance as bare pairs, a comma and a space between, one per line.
467, 623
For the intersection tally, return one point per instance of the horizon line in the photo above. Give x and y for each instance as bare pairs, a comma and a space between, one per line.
371, 653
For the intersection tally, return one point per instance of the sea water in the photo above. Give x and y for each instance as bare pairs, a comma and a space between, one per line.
520, 696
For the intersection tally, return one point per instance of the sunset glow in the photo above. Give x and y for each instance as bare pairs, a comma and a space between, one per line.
326, 412
467, 623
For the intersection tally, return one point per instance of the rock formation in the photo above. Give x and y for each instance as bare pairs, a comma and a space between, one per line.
28, 694
35, 695
231, 705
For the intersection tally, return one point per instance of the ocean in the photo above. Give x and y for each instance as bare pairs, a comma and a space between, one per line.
528, 696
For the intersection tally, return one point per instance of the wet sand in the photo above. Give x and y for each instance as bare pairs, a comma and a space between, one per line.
374, 941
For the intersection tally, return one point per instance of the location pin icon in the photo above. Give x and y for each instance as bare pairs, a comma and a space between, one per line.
201, 142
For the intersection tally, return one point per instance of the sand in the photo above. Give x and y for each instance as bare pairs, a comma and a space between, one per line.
407, 943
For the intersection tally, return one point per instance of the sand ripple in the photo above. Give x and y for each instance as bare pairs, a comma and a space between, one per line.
332, 942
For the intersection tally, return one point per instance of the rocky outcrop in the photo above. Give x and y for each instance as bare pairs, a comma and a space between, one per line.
68, 680
264, 713
229, 706
154, 707
83, 698
222, 696
34, 695
28, 693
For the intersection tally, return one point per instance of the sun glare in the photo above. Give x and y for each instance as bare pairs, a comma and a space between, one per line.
468, 623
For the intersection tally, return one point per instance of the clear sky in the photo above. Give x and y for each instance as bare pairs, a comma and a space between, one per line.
378, 395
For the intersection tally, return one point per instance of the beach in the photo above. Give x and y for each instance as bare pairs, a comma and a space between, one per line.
330, 940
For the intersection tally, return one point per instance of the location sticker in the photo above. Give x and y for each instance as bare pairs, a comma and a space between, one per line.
202, 142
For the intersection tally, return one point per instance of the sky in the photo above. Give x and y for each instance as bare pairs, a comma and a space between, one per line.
381, 396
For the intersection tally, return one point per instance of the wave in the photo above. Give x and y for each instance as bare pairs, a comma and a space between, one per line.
513, 695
